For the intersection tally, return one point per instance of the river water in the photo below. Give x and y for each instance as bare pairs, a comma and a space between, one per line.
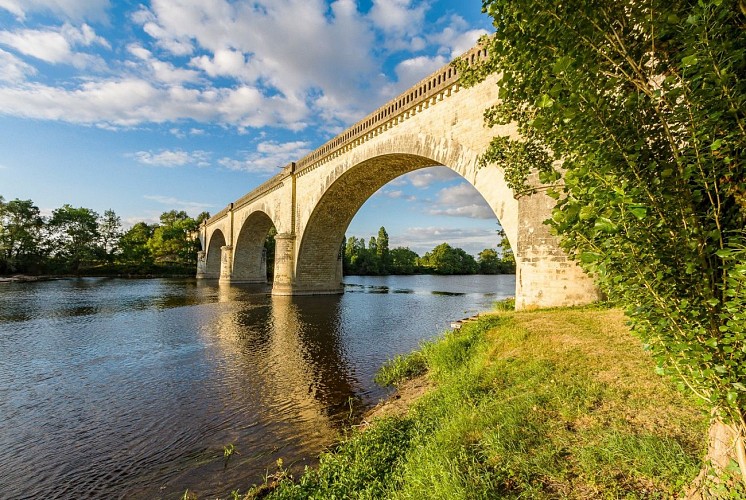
132, 388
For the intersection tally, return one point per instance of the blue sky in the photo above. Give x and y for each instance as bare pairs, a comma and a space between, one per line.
144, 107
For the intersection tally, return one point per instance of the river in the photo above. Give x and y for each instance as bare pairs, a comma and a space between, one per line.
132, 388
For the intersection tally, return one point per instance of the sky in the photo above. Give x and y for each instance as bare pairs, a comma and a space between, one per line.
145, 107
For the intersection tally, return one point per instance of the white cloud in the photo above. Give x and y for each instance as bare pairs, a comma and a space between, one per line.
183, 134
268, 157
163, 71
132, 101
398, 16
411, 71
325, 70
424, 239
456, 38
427, 177
71, 9
462, 200
396, 194
326, 58
12, 69
173, 158
55, 46
191, 207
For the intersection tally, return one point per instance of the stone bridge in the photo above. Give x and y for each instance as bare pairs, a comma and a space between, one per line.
312, 201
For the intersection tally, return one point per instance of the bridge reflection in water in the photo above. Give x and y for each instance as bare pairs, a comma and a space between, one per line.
301, 389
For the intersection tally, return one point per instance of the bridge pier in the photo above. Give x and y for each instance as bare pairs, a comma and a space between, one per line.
545, 276
226, 263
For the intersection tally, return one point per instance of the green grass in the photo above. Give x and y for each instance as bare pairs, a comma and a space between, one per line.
545, 404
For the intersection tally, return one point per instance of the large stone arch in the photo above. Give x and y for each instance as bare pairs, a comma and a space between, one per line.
318, 265
249, 256
213, 256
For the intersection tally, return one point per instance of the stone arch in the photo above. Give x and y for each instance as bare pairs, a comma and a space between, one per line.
249, 257
318, 265
213, 256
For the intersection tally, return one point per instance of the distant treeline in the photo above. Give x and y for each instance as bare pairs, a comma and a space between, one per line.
378, 259
80, 241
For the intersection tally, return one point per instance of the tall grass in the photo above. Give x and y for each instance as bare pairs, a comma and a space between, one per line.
545, 404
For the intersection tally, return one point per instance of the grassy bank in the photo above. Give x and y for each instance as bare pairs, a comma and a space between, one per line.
543, 404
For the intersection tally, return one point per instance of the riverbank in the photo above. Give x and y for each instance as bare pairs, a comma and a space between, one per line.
541, 404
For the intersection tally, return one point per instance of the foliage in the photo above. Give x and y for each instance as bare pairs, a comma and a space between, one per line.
444, 259
110, 230
72, 237
526, 405
133, 245
403, 261
20, 235
174, 239
75, 240
640, 105
378, 259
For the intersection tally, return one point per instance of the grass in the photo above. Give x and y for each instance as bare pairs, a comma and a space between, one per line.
543, 404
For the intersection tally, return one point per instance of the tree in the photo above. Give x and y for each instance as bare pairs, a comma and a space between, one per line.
489, 262
382, 250
506, 249
20, 235
174, 240
202, 217
403, 261
444, 259
110, 229
73, 237
269, 247
642, 104
133, 245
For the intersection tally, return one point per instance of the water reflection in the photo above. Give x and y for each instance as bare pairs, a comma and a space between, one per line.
131, 388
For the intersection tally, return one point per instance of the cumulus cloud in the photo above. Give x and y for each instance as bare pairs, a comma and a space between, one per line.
173, 158
132, 101
424, 239
427, 177
163, 71
456, 38
190, 207
12, 69
268, 156
462, 200
411, 71
396, 194
56, 45
70, 9
239, 63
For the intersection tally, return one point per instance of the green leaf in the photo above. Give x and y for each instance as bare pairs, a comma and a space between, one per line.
716, 145
732, 397
689, 60
639, 211
605, 225
545, 101
588, 257
561, 65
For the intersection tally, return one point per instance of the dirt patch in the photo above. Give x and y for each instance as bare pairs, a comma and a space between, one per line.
399, 402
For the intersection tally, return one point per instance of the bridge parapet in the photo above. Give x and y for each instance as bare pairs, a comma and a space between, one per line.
266, 187
426, 91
